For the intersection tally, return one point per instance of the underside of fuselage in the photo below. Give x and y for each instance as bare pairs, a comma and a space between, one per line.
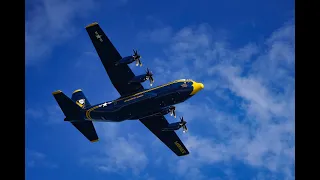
156, 101
139, 109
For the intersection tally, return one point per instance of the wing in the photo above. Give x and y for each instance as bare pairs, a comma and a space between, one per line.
119, 75
169, 138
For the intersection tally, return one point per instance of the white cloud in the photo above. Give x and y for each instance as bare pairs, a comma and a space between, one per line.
120, 151
249, 107
38, 159
258, 129
49, 114
33, 113
127, 153
51, 22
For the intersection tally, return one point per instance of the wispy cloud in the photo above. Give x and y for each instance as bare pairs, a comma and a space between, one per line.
121, 151
50, 114
258, 127
245, 113
38, 159
51, 22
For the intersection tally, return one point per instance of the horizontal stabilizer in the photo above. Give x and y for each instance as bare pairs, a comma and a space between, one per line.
87, 129
68, 107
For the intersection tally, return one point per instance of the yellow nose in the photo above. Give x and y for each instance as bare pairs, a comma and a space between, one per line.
196, 87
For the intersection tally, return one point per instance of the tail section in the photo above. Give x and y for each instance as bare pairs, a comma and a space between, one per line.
80, 99
70, 109
87, 129
73, 110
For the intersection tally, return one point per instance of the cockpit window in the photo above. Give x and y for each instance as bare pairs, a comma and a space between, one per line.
183, 80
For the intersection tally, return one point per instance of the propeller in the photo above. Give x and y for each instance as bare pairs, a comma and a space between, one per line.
172, 111
183, 124
149, 76
137, 57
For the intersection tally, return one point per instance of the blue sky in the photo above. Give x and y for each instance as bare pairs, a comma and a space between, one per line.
241, 126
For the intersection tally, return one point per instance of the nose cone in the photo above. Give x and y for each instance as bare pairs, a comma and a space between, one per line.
196, 87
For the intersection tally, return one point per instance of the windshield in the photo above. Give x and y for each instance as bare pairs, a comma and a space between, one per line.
180, 80
183, 80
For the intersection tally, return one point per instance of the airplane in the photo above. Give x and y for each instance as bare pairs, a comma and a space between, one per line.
149, 106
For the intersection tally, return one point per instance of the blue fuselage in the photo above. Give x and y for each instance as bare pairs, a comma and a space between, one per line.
150, 102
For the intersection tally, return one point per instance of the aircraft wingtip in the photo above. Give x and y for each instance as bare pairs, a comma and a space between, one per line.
96, 140
57, 92
92, 24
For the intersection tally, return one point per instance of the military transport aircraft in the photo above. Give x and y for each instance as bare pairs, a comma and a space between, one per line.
135, 102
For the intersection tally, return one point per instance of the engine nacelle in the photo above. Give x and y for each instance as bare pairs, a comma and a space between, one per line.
125, 60
162, 112
172, 127
139, 79
165, 111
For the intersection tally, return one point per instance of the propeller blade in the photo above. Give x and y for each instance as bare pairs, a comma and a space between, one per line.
149, 76
181, 119
149, 73
185, 129
173, 111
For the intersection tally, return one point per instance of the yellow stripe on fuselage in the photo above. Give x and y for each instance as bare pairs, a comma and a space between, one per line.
89, 111
131, 96
148, 90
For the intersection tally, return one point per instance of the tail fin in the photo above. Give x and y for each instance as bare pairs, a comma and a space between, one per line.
80, 99
72, 109
68, 107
